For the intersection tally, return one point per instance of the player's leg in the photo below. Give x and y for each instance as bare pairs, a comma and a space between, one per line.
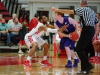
67, 45
99, 51
34, 45
95, 45
20, 46
45, 46
68, 52
76, 60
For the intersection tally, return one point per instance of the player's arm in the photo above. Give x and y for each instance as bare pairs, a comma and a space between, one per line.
44, 28
60, 31
63, 35
62, 11
50, 26
76, 25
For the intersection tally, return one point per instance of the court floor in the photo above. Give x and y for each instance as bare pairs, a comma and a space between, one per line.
12, 64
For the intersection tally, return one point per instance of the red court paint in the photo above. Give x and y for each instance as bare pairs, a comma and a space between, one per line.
4, 61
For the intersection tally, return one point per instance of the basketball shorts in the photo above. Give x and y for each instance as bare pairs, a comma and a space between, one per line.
30, 39
66, 42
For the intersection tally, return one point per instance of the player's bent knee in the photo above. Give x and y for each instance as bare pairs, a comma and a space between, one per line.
35, 44
46, 46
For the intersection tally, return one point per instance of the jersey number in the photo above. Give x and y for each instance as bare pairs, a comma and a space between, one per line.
30, 39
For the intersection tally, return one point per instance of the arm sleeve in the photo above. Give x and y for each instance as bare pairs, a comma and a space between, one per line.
52, 30
79, 11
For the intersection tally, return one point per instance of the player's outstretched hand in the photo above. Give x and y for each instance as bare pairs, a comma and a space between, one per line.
53, 9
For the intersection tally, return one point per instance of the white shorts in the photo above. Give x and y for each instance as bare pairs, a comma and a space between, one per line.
31, 39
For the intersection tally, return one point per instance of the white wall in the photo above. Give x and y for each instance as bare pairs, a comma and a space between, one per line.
35, 5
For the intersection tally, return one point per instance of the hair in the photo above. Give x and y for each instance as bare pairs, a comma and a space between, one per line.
52, 23
40, 18
14, 19
23, 17
84, 2
36, 15
59, 13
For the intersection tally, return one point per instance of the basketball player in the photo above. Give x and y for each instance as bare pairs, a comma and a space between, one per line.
33, 39
96, 45
66, 43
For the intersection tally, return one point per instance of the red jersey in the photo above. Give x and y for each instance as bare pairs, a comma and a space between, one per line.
33, 23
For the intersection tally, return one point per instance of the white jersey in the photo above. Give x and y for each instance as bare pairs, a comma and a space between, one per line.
34, 36
34, 32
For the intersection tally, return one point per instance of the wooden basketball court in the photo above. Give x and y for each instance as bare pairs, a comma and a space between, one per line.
12, 64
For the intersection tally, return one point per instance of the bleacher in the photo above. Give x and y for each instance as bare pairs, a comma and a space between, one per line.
6, 11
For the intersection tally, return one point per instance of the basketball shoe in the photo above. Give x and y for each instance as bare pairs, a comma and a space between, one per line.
76, 61
69, 64
45, 63
27, 63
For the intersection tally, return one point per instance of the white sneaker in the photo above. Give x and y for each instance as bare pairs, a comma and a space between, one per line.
20, 51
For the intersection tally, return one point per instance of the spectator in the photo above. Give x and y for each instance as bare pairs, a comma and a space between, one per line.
24, 18
22, 33
14, 29
51, 34
10, 21
34, 21
4, 31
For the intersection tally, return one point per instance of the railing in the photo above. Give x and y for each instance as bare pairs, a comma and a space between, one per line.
11, 5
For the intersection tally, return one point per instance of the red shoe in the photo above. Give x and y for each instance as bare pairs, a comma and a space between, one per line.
27, 63
92, 58
93, 61
97, 62
45, 63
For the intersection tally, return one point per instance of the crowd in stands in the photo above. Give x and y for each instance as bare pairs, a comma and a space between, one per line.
14, 30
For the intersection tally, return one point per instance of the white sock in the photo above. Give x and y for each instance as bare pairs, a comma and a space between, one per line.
69, 58
28, 58
75, 57
95, 53
44, 57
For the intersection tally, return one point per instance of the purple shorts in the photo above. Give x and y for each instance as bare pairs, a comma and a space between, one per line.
66, 42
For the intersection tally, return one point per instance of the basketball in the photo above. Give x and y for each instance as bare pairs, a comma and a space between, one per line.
74, 35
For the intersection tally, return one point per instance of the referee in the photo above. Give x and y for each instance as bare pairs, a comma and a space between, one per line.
89, 24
